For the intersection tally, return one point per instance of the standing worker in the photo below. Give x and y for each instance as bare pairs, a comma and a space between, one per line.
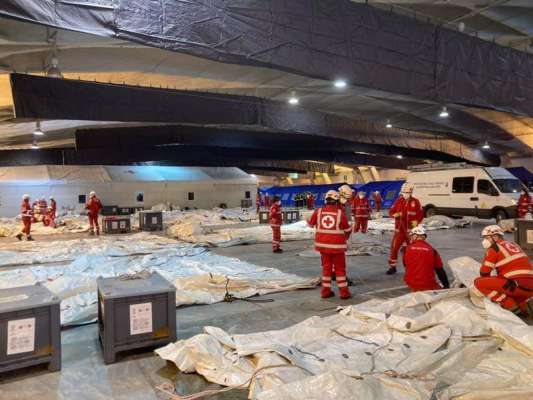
422, 262
50, 216
258, 202
26, 215
377, 200
332, 230
407, 213
361, 212
93, 208
310, 201
346, 194
524, 203
275, 219
512, 284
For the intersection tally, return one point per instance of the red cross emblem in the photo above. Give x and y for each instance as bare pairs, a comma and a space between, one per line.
328, 222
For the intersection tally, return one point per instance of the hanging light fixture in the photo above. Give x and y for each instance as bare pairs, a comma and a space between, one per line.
486, 145
293, 100
444, 112
389, 125
399, 156
340, 84
34, 145
38, 131
53, 70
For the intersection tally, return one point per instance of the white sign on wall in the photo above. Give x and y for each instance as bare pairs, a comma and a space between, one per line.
140, 318
20, 336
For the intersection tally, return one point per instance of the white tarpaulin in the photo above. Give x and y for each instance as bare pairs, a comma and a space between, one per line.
359, 244
431, 223
447, 344
70, 268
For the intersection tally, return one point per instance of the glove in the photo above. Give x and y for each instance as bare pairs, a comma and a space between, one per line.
414, 224
397, 215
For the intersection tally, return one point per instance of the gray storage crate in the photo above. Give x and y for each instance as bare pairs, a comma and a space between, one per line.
263, 217
109, 210
246, 203
523, 235
290, 216
116, 224
135, 313
151, 220
30, 328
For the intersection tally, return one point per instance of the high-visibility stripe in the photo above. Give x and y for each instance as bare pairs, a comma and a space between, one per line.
326, 284
275, 242
338, 220
411, 213
327, 212
492, 294
503, 296
331, 246
341, 278
507, 260
518, 272
342, 284
348, 229
504, 251
489, 264
326, 278
274, 226
331, 231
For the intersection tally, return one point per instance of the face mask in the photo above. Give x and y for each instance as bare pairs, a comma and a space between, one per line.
361, 196
486, 243
342, 200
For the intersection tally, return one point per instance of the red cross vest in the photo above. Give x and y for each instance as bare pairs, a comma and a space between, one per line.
332, 229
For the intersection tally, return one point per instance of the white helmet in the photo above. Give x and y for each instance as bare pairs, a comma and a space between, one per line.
51, 197
346, 191
492, 230
92, 194
406, 189
419, 230
25, 196
333, 195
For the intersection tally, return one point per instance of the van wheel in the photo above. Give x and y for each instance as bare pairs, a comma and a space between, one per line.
500, 214
430, 212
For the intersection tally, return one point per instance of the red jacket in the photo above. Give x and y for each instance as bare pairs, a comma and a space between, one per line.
258, 200
361, 208
377, 199
310, 202
332, 229
407, 213
420, 261
508, 259
94, 206
524, 205
25, 209
266, 200
275, 215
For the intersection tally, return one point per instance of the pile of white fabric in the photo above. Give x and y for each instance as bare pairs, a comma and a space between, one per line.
70, 268
68, 223
359, 244
449, 344
431, 223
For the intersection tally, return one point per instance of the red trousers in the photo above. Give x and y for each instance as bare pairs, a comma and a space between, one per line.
26, 225
398, 240
378, 206
361, 224
93, 221
276, 237
334, 262
423, 288
499, 290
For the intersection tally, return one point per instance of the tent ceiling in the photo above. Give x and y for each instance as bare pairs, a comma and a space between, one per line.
28, 47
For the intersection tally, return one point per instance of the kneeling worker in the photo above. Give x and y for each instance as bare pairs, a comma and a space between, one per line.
422, 262
512, 284
332, 230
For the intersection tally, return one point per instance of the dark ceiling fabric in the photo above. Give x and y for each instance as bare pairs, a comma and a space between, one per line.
51, 98
323, 39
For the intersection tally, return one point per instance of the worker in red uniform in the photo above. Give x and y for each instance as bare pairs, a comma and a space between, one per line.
511, 284
407, 213
267, 200
275, 219
310, 201
332, 230
377, 200
422, 262
361, 212
50, 216
93, 208
345, 200
258, 202
26, 216
524, 203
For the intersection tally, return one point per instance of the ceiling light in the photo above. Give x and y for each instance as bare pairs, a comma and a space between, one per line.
38, 131
53, 70
293, 100
339, 83
34, 146
399, 156
444, 112
389, 125
486, 145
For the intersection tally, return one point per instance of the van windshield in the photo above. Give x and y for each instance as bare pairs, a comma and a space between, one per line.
508, 185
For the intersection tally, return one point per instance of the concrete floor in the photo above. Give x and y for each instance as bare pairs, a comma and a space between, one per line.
135, 374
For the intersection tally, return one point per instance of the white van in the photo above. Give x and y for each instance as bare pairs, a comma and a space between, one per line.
460, 189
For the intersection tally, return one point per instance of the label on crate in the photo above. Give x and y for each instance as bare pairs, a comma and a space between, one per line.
140, 318
10, 299
114, 225
154, 220
20, 336
529, 236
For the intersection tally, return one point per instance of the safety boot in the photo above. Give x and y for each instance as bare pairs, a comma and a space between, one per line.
344, 293
391, 271
91, 233
326, 293
19, 236
29, 238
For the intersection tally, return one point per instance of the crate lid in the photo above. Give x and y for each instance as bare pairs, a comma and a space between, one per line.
121, 286
150, 212
24, 297
116, 217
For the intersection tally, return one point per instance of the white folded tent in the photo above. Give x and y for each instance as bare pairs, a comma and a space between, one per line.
121, 185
